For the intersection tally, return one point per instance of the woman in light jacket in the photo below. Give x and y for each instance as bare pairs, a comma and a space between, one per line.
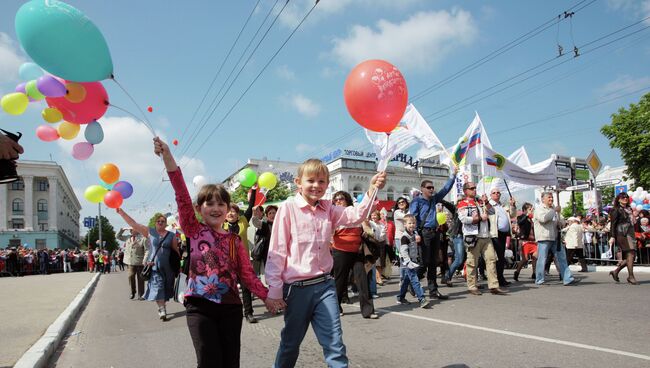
574, 242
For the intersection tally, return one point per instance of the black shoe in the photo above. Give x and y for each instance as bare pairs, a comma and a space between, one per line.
516, 276
132, 296
504, 284
435, 294
251, 319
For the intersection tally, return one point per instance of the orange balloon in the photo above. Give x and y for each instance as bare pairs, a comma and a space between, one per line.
175, 142
76, 92
109, 173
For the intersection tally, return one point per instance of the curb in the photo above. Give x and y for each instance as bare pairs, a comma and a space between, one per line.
38, 355
592, 268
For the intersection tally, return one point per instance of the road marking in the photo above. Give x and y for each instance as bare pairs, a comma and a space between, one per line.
517, 334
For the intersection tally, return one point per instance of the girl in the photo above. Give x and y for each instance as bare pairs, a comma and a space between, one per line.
299, 263
217, 262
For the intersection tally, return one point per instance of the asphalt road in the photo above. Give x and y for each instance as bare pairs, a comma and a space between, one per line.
596, 323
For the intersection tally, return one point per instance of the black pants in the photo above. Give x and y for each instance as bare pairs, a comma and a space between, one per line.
343, 263
499, 244
216, 332
430, 246
247, 299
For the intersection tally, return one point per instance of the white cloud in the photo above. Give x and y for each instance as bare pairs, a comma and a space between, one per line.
10, 59
304, 105
297, 9
304, 148
284, 72
418, 43
633, 7
622, 84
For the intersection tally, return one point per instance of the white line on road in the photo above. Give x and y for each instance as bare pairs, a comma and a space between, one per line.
517, 334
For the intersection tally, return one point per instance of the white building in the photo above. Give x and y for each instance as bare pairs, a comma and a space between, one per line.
40, 209
351, 170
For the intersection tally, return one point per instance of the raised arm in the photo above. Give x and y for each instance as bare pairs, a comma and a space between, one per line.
251, 203
143, 230
345, 216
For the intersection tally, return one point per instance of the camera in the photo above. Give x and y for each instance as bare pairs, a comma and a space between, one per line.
8, 172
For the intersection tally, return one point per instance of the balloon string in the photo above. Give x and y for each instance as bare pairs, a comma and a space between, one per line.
145, 121
135, 117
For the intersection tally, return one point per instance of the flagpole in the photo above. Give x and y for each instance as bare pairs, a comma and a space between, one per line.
374, 194
507, 188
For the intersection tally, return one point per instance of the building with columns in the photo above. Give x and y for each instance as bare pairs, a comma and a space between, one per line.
40, 209
351, 170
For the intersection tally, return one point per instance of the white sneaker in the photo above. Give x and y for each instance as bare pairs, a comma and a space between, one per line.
162, 313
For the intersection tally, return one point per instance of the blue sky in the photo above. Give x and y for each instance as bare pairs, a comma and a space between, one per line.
166, 54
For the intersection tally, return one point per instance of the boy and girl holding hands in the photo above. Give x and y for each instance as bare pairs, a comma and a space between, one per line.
297, 269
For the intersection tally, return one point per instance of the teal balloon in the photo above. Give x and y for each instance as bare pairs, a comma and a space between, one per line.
63, 41
29, 71
106, 185
94, 133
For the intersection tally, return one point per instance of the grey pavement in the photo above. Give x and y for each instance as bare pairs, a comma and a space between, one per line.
29, 305
594, 324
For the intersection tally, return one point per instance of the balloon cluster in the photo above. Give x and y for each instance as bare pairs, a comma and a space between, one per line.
70, 48
111, 191
640, 199
266, 181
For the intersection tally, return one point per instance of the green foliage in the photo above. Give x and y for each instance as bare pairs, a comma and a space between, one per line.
580, 210
629, 131
108, 235
279, 193
606, 195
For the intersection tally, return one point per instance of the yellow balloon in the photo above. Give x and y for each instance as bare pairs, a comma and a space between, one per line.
441, 217
14, 103
68, 130
95, 193
267, 180
75, 92
51, 115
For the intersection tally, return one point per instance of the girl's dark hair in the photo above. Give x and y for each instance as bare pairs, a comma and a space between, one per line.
618, 198
644, 213
213, 192
396, 207
346, 195
526, 206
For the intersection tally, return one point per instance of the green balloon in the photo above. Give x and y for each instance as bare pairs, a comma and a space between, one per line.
95, 193
247, 177
32, 91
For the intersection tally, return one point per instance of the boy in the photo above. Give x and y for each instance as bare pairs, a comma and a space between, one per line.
299, 264
409, 254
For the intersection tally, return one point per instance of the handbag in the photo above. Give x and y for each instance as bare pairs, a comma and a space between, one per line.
181, 280
148, 269
372, 246
470, 240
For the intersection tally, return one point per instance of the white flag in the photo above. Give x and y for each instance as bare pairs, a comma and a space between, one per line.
412, 129
540, 174
468, 149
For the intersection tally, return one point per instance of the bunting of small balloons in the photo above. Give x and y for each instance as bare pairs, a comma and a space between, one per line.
640, 199
111, 191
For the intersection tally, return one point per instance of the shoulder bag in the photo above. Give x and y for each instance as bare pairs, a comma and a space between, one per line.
148, 269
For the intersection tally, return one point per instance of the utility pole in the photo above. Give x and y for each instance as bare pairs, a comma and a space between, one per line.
99, 207
573, 182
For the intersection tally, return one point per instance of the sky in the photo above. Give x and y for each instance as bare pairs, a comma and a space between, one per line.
166, 54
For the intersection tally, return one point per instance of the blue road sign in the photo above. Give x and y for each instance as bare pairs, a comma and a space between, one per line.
89, 222
620, 189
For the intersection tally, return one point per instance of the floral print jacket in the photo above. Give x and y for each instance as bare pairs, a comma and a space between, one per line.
217, 261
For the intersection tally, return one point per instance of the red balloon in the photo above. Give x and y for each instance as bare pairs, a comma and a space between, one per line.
260, 198
376, 95
645, 201
91, 108
113, 199
175, 142
150, 109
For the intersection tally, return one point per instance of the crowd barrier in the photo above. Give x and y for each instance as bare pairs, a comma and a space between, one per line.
22, 267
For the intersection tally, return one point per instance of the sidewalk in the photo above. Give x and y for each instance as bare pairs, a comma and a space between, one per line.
29, 305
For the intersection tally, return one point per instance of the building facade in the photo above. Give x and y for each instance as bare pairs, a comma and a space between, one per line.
351, 170
40, 209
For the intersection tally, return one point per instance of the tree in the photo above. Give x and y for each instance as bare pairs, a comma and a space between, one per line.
108, 235
629, 131
607, 195
580, 210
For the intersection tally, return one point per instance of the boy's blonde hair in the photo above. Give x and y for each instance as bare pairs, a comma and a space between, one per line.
410, 217
313, 166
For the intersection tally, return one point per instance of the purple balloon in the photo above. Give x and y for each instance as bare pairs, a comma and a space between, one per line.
124, 187
50, 86
21, 88
82, 150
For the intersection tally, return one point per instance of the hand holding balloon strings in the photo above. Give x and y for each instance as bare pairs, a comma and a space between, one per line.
161, 149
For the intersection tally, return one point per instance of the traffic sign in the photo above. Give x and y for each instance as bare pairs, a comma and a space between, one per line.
577, 188
594, 163
89, 222
620, 189
607, 183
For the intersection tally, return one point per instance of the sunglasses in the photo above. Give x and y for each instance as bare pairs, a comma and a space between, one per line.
471, 188
430, 187
401, 202
496, 192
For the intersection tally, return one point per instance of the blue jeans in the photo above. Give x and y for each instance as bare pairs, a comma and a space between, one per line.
543, 247
459, 254
372, 281
318, 305
409, 276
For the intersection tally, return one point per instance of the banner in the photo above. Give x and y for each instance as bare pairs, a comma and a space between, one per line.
520, 158
540, 174
412, 129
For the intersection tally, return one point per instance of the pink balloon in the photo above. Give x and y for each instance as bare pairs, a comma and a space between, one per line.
91, 108
82, 150
47, 133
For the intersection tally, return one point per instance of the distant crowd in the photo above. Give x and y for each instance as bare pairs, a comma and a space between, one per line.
23, 261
